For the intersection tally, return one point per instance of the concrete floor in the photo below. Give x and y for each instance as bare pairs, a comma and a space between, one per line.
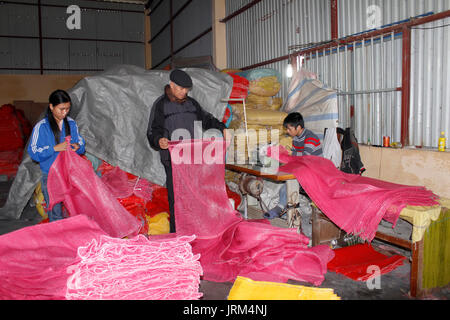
393, 285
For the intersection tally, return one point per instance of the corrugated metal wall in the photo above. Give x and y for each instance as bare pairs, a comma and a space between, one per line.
377, 115
430, 83
374, 67
191, 22
22, 20
355, 16
265, 31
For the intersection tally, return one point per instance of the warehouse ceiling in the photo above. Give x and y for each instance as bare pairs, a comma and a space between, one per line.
143, 2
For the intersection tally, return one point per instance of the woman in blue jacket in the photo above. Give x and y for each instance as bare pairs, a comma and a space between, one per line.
48, 140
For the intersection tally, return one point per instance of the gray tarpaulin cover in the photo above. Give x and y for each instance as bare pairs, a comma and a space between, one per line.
112, 109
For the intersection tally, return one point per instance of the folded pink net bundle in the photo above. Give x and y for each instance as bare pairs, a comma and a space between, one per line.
135, 269
229, 245
354, 203
34, 259
73, 181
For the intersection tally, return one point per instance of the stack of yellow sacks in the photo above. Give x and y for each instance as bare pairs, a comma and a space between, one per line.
262, 112
247, 289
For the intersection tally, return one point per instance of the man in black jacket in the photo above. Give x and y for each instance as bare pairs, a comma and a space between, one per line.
172, 111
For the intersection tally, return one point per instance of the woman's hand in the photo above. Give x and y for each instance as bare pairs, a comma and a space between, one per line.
60, 147
75, 146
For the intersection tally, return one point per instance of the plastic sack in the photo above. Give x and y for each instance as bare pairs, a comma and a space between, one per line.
271, 103
229, 245
315, 101
240, 88
256, 74
265, 87
72, 180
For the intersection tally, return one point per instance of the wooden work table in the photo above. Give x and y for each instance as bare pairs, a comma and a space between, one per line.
292, 184
261, 172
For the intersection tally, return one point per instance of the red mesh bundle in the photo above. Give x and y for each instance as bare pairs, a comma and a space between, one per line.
136, 206
9, 162
24, 123
228, 245
11, 136
354, 203
159, 202
72, 180
354, 261
240, 87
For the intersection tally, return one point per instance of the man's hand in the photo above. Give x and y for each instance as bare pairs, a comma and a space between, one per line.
60, 147
164, 143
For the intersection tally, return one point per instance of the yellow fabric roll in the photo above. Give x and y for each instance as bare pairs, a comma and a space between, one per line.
248, 289
266, 86
158, 224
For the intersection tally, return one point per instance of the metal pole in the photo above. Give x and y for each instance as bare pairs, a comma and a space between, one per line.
406, 82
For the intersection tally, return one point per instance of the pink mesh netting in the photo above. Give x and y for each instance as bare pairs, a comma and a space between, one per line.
228, 245
354, 203
135, 269
73, 181
121, 186
34, 259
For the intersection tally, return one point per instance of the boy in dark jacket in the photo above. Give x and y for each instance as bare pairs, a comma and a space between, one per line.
171, 111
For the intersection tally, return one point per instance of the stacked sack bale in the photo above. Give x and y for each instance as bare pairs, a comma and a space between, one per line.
262, 112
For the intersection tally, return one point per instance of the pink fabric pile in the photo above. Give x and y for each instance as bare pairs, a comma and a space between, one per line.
229, 245
135, 269
354, 203
34, 259
72, 180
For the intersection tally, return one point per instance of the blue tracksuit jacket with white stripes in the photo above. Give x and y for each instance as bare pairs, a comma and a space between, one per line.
42, 142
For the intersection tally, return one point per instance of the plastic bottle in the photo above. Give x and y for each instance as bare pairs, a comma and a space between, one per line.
442, 142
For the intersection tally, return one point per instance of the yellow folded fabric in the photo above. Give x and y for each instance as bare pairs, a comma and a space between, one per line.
248, 289
158, 224
420, 217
